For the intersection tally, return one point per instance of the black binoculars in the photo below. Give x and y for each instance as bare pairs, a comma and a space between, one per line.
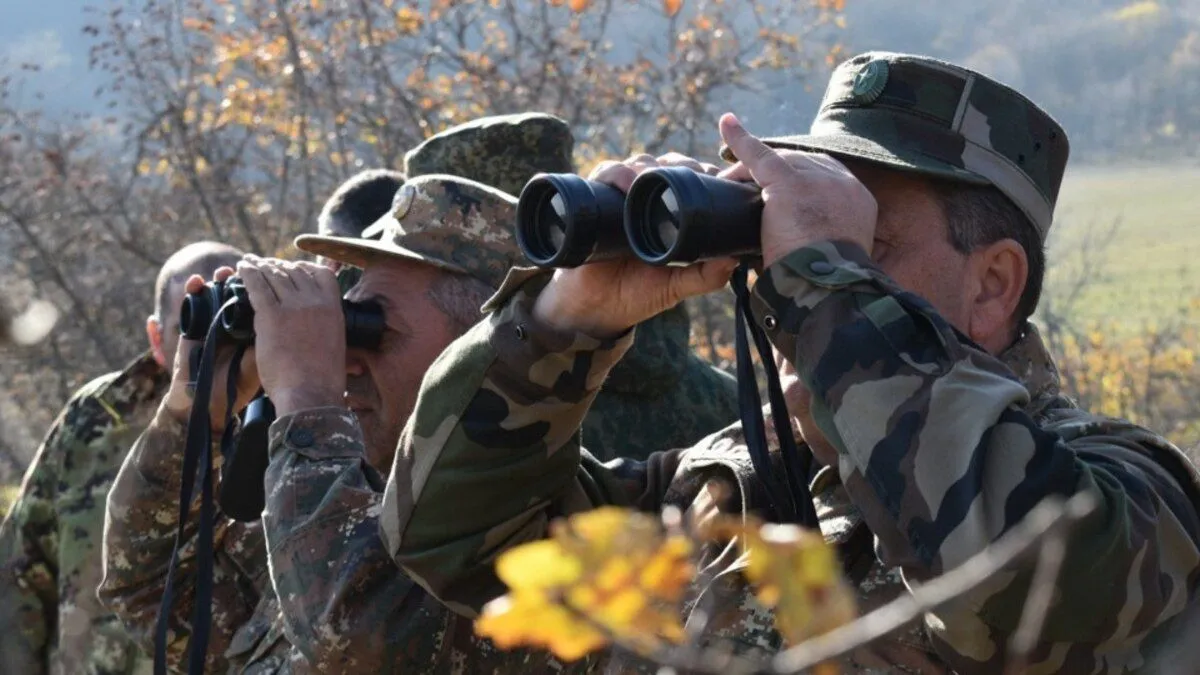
671, 216
364, 320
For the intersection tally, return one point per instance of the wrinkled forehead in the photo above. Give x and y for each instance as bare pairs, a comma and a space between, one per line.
391, 280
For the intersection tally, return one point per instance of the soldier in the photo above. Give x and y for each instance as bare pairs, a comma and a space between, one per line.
661, 390
902, 245
50, 619
369, 616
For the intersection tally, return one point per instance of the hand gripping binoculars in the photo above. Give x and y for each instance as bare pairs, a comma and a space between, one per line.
364, 320
242, 497
671, 216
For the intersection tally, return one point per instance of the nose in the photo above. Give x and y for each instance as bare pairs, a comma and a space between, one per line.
354, 363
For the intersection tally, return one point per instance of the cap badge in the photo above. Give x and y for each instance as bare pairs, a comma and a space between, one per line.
403, 200
869, 82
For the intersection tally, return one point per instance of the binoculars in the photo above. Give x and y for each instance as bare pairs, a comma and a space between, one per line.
671, 216
364, 320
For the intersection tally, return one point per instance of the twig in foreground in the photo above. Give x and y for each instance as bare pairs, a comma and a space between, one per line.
1037, 602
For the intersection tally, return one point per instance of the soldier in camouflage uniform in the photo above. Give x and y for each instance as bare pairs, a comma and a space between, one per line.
50, 619
896, 286
661, 389
320, 510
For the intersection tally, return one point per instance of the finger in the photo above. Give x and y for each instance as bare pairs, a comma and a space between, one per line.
606, 165
706, 277
262, 295
299, 276
641, 158
737, 172
678, 159
323, 280
222, 273
277, 276
710, 169
619, 176
765, 165
194, 284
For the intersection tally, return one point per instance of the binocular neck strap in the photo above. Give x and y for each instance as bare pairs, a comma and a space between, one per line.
197, 456
792, 500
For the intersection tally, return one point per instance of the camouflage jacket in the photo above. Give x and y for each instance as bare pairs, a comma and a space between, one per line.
142, 513
941, 446
50, 619
661, 390
321, 514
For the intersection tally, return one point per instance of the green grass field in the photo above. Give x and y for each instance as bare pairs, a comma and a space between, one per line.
1152, 265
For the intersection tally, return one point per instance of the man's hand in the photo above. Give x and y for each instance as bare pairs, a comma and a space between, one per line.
807, 197
301, 334
179, 399
608, 298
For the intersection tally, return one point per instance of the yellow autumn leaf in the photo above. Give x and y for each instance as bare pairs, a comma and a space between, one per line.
537, 565
578, 5
671, 7
611, 567
795, 573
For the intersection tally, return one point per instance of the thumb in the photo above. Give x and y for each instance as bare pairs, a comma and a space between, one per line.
765, 165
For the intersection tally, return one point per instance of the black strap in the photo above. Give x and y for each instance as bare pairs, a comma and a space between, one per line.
197, 457
791, 499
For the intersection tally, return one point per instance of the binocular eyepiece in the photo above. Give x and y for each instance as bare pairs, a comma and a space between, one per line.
671, 216
364, 320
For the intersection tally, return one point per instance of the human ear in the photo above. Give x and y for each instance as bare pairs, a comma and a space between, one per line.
1000, 272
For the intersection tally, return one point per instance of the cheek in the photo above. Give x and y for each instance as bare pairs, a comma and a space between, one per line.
939, 279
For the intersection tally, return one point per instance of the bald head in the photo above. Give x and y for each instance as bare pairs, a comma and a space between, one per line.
202, 257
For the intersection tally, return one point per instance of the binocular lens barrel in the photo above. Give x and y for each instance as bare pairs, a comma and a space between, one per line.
566, 221
675, 216
364, 324
198, 309
364, 320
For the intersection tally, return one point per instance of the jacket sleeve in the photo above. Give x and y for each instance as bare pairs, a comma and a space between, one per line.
935, 449
139, 535
345, 604
28, 565
491, 453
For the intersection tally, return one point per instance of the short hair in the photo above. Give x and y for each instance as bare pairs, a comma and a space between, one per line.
363, 199
980, 215
460, 298
202, 257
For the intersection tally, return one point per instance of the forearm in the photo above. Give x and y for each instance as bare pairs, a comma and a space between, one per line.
492, 450
935, 449
139, 536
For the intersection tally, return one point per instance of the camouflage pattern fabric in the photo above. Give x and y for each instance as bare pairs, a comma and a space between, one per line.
503, 151
915, 113
139, 535
942, 448
50, 543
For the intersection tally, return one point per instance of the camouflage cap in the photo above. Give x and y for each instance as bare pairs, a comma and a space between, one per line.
920, 114
445, 221
503, 151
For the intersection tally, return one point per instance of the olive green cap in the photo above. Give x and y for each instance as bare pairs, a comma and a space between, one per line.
919, 114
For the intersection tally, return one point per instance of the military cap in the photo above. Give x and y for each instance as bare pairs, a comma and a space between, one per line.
449, 222
916, 113
503, 151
